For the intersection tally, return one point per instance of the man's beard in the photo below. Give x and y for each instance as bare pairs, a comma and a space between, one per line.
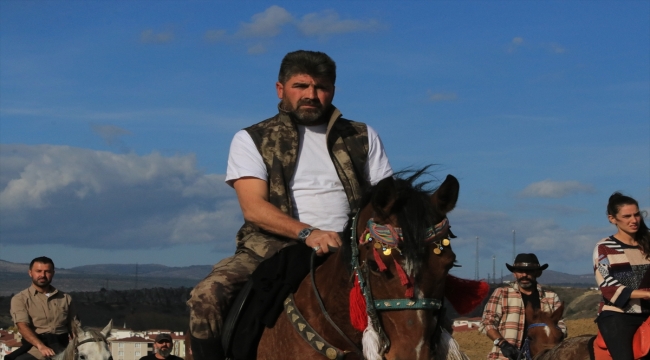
164, 352
311, 116
41, 282
531, 283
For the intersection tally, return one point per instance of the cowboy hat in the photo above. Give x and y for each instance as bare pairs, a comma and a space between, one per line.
527, 262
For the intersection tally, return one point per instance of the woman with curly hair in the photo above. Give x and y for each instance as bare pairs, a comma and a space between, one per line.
622, 270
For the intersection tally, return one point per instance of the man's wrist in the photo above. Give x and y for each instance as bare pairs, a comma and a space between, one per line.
304, 233
498, 341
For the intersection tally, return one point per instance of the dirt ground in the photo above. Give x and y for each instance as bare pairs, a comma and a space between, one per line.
477, 346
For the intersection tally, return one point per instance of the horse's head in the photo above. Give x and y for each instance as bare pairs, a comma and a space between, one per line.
543, 331
406, 254
88, 344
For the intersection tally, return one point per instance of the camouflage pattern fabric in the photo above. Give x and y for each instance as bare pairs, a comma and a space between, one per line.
277, 141
210, 299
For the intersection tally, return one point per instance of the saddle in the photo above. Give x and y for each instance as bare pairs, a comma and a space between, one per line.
640, 344
261, 301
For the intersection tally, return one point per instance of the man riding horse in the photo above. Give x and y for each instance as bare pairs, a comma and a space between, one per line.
296, 176
504, 320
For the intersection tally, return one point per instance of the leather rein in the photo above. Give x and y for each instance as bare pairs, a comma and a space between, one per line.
372, 306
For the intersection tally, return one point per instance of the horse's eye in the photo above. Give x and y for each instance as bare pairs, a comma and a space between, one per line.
82, 357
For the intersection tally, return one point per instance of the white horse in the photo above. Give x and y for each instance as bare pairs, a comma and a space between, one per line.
87, 344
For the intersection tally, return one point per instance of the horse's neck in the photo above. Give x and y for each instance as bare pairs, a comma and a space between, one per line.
68, 353
333, 283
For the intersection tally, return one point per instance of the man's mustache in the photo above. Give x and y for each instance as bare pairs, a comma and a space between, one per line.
310, 102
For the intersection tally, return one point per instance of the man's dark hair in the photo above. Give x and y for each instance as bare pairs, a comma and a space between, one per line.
313, 63
42, 260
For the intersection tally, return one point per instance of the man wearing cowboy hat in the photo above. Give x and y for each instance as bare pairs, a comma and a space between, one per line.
504, 317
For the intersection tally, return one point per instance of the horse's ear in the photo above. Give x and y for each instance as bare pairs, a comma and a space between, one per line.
76, 327
384, 197
107, 330
447, 194
557, 314
530, 313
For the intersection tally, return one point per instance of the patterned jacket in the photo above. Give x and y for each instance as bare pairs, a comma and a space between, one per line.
619, 269
505, 312
277, 141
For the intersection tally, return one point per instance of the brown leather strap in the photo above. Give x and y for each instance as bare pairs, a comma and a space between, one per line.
309, 334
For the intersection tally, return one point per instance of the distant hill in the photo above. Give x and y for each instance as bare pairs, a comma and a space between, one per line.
14, 278
550, 277
156, 297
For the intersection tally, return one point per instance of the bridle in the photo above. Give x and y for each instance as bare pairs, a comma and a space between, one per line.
373, 306
89, 340
524, 354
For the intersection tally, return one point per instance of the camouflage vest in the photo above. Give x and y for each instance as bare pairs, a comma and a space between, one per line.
277, 141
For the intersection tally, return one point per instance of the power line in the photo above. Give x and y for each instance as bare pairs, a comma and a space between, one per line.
514, 245
476, 265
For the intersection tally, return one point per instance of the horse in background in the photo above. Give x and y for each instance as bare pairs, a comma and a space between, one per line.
545, 340
543, 333
381, 295
88, 344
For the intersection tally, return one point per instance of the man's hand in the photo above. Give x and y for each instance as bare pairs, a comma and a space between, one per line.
508, 350
46, 351
319, 240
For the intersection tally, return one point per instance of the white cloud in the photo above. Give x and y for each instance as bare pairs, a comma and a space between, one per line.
442, 96
148, 36
564, 249
274, 20
266, 24
555, 189
556, 48
215, 35
329, 22
256, 49
95, 199
518, 42
110, 133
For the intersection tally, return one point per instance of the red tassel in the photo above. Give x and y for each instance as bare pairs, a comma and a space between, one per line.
465, 295
402, 275
409, 292
358, 315
404, 279
378, 260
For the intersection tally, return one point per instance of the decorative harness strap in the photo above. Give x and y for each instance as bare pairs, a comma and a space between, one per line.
309, 334
387, 237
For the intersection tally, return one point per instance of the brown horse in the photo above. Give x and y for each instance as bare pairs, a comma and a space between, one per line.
398, 248
577, 348
545, 342
544, 334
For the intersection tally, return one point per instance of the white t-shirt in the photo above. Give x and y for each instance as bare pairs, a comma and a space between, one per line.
316, 191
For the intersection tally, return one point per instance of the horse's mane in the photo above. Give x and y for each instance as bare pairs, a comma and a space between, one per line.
412, 208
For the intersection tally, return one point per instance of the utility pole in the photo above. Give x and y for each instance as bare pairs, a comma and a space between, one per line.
514, 246
476, 271
136, 276
494, 269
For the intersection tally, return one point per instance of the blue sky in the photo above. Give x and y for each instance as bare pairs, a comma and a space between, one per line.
116, 117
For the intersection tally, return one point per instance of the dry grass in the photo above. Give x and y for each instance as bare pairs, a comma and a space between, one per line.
477, 346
